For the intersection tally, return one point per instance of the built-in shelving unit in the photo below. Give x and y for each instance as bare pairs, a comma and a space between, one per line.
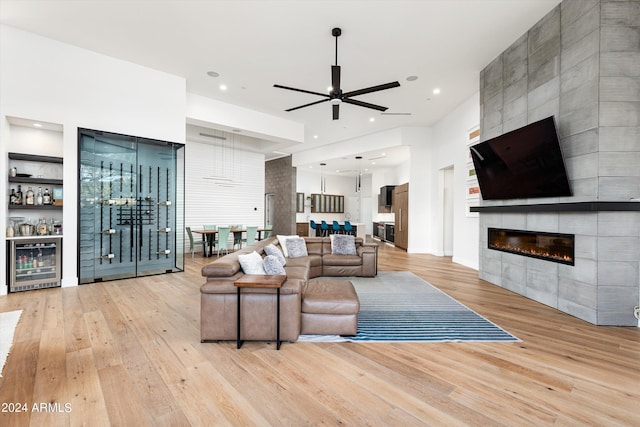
30, 180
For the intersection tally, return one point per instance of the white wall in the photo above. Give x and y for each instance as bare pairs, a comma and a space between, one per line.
420, 178
212, 201
449, 147
45, 80
433, 149
207, 111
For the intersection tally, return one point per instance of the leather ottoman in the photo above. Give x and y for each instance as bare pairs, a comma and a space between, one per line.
329, 307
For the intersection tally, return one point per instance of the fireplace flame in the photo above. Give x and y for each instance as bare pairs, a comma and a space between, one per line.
537, 252
549, 246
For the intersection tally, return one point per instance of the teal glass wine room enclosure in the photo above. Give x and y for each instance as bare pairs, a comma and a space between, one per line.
131, 206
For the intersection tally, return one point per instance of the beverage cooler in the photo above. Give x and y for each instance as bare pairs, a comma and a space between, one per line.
35, 263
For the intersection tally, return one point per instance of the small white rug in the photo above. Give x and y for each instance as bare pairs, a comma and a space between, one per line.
8, 323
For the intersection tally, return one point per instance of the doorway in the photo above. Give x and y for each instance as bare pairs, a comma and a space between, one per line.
269, 209
446, 201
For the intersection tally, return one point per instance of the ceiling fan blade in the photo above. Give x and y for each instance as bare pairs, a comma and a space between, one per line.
371, 89
336, 111
301, 90
364, 104
307, 105
335, 78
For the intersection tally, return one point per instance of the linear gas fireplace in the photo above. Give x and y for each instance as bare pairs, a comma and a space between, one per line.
554, 247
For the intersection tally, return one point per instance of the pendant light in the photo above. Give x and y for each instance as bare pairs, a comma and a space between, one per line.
359, 175
323, 182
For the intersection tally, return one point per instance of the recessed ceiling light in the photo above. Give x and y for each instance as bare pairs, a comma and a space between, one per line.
315, 136
373, 163
212, 74
372, 119
223, 87
383, 154
436, 91
38, 125
412, 78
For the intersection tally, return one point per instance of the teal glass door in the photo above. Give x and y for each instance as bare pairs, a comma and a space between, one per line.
131, 199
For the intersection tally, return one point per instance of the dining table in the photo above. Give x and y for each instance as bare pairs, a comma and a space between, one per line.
209, 237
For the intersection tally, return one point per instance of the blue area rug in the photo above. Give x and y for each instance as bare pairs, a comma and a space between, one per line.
400, 306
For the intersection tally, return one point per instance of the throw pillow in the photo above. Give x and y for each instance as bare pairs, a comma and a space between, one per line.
251, 263
296, 247
343, 244
272, 265
283, 243
273, 251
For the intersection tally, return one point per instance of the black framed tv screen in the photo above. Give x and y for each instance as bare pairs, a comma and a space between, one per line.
524, 163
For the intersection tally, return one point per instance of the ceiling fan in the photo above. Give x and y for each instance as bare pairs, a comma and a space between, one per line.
336, 95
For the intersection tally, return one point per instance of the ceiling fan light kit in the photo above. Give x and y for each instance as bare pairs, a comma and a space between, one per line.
336, 96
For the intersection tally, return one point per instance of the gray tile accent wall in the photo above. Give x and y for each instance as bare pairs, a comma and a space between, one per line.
580, 63
280, 180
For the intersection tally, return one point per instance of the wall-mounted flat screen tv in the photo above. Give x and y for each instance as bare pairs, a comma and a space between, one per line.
524, 163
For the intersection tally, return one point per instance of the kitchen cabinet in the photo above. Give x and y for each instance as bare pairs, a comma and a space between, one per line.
327, 203
302, 229
299, 202
401, 211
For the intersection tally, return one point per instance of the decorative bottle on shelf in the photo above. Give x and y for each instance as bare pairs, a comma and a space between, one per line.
13, 197
43, 229
30, 201
19, 195
40, 258
46, 197
39, 198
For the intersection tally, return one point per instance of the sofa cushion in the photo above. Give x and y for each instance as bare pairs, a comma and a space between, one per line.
274, 251
282, 239
296, 247
343, 244
272, 265
342, 260
251, 263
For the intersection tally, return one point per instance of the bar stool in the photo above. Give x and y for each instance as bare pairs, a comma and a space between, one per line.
348, 228
325, 228
314, 226
336, 227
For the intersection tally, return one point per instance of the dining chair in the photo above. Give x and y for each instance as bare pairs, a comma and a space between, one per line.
252, 230
336, 227
192, 242
325, 228
211, 238
267, 231
348, 228
237, 235
223, 239
314, 226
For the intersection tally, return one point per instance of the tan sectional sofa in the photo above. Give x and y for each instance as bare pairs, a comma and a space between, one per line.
338, 316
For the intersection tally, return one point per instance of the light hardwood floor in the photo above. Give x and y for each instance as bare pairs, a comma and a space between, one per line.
128, 353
